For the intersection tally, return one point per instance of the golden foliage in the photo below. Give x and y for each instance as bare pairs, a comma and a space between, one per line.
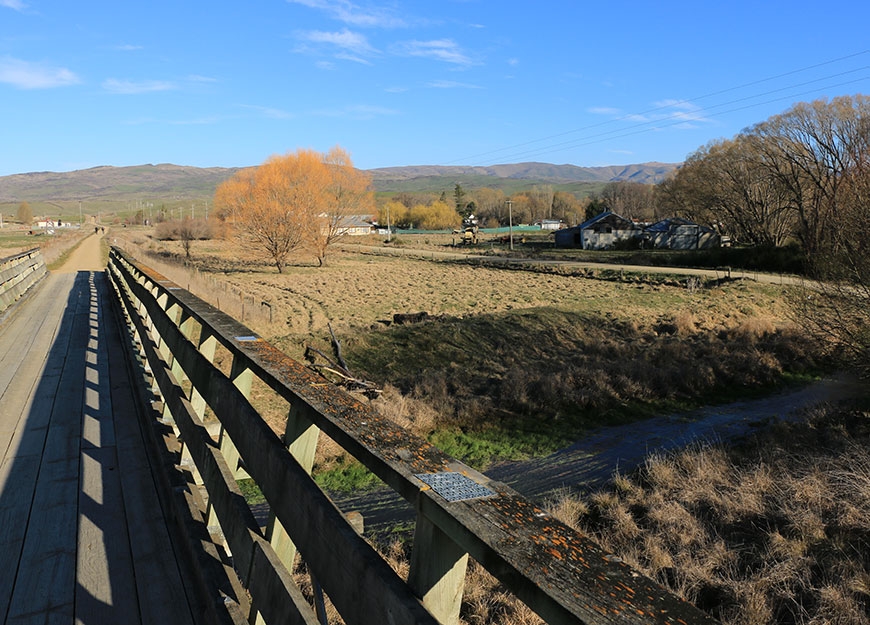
299, 200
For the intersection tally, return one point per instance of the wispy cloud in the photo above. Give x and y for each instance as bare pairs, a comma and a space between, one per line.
674, 113
351, 13
604, 110
271, 113
344, 40
129, 87
201, 79
27, 75
13, 4
451, 84
445, 50
356, 111
684, 111
354, 59
128, 47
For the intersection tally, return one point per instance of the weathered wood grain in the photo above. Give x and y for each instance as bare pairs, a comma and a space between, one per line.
45, 584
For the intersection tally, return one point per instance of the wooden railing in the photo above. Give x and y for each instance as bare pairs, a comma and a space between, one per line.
559, 573
17, 274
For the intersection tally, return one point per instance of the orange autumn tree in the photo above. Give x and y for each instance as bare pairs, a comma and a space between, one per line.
347, 194
287, 203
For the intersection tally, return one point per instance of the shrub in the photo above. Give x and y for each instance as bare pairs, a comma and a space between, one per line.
772, 532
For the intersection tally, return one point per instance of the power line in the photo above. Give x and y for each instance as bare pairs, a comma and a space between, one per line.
638, 128
669, 106
679, 118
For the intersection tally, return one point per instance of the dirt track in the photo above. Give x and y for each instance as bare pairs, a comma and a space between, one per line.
88, 256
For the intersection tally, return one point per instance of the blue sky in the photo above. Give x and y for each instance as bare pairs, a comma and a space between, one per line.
438, 82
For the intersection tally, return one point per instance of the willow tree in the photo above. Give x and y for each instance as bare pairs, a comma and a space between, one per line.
805, 175
728, 183
294, 202
347, 194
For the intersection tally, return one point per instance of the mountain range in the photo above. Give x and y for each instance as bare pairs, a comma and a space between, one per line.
183, 182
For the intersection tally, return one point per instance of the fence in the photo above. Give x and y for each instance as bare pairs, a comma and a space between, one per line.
18, 273
559, 573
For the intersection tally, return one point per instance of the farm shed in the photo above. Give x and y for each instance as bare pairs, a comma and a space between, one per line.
676, 233
598, 233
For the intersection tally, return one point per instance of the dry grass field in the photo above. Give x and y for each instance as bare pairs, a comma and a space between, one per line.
510, 362
514, 363
15, 239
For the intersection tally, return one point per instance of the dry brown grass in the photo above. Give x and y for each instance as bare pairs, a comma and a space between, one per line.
775, 532
505, 349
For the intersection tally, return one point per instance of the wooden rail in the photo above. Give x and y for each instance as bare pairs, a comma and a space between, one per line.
18, 273
561, 574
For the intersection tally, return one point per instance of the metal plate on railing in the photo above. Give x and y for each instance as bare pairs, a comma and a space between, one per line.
455, 486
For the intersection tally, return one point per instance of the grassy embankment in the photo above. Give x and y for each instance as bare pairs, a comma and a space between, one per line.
519, 363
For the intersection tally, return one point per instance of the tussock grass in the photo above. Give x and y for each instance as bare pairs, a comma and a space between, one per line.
513, 363
543, 375
773, 532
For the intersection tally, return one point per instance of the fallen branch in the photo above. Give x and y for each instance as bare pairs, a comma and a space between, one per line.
339, 374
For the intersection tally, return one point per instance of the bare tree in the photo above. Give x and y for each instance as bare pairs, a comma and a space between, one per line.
813, 150
804, 173
25, 213
632, 200
726, 184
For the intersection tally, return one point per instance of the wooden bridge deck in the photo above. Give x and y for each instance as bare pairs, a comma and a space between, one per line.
83, 537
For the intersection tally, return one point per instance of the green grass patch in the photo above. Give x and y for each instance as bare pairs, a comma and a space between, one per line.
251, 492
349, 475
479, 449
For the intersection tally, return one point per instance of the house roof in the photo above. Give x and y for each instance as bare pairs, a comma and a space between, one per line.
355, 221
666, 225
608, 218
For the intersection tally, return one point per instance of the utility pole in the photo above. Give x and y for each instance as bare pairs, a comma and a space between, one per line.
389, 230
511, 223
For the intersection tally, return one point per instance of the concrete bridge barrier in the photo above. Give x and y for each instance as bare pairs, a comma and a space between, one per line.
205, 367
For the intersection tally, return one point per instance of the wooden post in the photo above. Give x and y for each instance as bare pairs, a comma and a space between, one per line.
437, 572
300, 436
206, 343
243, 379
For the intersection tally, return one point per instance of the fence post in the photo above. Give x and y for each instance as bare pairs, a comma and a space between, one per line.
242, 377
300, 436
437, 572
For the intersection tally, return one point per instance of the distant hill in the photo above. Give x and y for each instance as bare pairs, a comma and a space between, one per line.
176, 182
647, 173
114, 183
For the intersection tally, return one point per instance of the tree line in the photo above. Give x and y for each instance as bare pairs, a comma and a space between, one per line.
801, 177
